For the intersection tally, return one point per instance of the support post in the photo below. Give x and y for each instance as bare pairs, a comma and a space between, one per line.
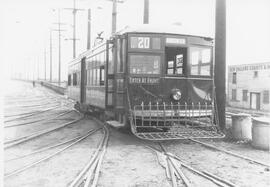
59, 40
220, 61
146, 12
74, 28
89, 30
50, 55
114, 16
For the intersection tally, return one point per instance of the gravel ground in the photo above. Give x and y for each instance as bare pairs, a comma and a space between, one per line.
127, 161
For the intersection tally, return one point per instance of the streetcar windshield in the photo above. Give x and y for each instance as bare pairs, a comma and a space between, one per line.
144, 64
200, 61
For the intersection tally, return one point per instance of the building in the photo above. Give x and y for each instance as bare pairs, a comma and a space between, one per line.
249, 86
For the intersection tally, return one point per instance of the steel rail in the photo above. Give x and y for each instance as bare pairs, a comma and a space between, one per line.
215, 179
50, 156
43, 149
100, 159
31, 122
230, 153
12, 143
35, 110
175, 168
84, 177
39, 104
32, 114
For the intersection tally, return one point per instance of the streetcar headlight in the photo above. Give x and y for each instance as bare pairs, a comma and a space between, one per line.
176, 94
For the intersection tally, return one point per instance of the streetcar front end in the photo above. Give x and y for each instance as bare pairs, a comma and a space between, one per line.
170, 87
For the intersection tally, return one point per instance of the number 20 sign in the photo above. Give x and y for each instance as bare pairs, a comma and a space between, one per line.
140, 42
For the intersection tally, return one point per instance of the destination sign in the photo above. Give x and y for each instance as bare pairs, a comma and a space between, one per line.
140, 42
181, 41
143, 80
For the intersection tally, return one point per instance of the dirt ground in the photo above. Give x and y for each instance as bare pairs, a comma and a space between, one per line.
127, 162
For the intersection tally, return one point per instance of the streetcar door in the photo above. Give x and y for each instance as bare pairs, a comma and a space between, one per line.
83, 81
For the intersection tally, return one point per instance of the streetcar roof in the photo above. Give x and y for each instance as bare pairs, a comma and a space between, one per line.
164, 29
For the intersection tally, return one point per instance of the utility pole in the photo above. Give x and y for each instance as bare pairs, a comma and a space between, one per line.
74, 11
220, 60
114, 9
146, 12
59, 46
89, 29
50, 55
114, 14
45, 63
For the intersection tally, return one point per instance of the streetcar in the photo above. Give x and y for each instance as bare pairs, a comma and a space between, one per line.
156, 81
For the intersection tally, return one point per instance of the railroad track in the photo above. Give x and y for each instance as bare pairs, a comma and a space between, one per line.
250, 160
90, 173
40, 120
32, 114
73, 142
174, 164
174, 169
13, 142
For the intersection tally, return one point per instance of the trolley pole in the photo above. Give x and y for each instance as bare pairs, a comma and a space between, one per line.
89, 29
146, 12
220, 60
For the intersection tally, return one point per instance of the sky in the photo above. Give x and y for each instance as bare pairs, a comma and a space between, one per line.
25, 26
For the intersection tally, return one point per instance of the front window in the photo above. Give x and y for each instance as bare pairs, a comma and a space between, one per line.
176, 59
144, 64
200, 59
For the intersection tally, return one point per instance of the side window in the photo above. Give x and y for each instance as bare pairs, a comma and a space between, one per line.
119, 56
94, 76
78, 78
102, 75
74, 79
200, 60
110, 63
123, 54
69, 80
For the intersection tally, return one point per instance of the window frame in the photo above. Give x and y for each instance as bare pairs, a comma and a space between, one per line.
150, 49
234, 98
200, 64
184, 64
245, 95
145, 54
